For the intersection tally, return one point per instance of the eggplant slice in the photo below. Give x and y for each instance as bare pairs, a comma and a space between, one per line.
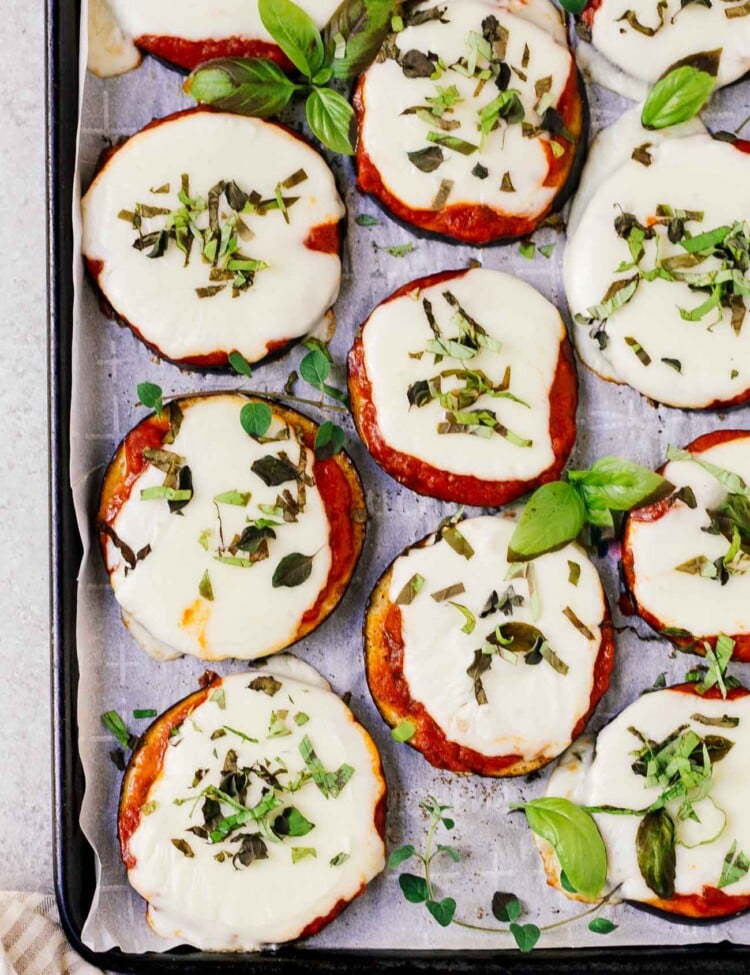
219, 544
487, 667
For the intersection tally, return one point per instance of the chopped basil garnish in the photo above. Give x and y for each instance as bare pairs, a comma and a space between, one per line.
404, 731
734, 866
411, 589
117, 727
330, 784
267, 684
205, 588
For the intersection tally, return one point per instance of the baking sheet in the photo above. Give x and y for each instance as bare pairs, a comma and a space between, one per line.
497, 850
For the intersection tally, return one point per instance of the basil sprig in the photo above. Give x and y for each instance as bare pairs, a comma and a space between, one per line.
557, 512
682, 91
259, 87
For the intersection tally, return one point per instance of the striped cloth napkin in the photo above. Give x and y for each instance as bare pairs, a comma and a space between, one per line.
31, 939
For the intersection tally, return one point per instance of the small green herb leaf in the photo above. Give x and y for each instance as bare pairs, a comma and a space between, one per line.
404, 731
240, 364
734, 867
331, 117
150, 396
329, 440
248, 86
554, 516
295, 32
525, 935
400, 855
365, 220
412, 589
506, 907
601, 925
414, 888
443, 911
293, 570
205, 588
116, 726
144, 713
315, 368
256, 419
677, 97
575, 838
655, 846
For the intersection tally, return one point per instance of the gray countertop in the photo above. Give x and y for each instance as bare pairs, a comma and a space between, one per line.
25, 753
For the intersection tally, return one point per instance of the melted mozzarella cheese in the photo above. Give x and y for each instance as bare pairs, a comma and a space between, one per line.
247, 617
531, 710
606, 778
689, 30
212, 905
512, 312
190, 20
702, 606
708, 352
158, 297
110, 51
388, 134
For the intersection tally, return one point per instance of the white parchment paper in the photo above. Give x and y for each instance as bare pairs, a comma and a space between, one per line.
497, 849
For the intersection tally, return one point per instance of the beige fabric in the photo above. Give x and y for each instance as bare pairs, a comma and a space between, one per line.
31, 939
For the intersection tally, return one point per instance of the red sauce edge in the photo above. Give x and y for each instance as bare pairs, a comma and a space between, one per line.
390, 686
330, 478
462, 488
473, 223
189, 54
146, 763
654, 512
589, 11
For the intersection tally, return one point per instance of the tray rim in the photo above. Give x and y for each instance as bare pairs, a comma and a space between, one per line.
73, 857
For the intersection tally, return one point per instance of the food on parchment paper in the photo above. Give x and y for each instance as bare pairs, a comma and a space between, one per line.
657, 260
463, 387
265, 822
482, 664
204, 253
224, 535
472, 119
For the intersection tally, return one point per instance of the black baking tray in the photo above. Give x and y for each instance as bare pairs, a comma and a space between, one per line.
74, 859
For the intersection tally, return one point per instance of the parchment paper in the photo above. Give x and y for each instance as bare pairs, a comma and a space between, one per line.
497, 849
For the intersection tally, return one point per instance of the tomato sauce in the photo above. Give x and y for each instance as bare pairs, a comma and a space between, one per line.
654, 512
472, 222
462, 488
189, 54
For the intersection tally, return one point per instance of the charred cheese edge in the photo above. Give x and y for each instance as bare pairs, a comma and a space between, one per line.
669, 554
421, 149
598, 772
207, 579
418, 413
273, 878
195, 309
425, 631
647, 344
184, 33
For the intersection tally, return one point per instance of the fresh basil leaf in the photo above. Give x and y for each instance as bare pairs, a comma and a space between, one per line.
525, 935
450, 851
443, 911
295, 32
248, 86
293, 570
677, 97
292, 823
150, 396
400, 855
553, 516
362, 26
331, 117
575, 838
414, 888
734, 866
404, 731
619, 484
329, 440
655, 846
266, 684
574, 6
256, 419
116, 726
274, 471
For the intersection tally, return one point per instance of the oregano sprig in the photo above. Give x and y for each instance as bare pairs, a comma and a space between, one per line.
506, 907
259, 87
